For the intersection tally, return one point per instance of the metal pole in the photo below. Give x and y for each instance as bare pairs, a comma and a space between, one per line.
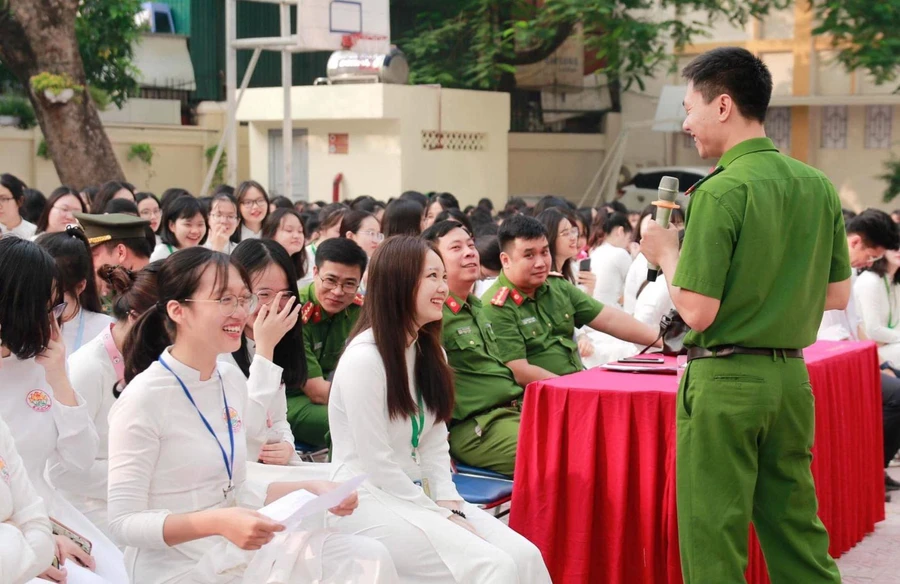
229, 129
230, 88
287, 133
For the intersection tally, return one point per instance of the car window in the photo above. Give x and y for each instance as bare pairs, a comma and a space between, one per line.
649, 180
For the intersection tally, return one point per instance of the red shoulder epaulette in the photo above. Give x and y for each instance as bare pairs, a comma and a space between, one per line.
517, 298
499, 298
359, 299
712, 172
307, 311
453, 305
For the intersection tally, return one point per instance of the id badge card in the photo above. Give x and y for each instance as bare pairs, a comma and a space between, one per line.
418, 479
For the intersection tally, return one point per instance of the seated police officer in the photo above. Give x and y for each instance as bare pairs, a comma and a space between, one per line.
331, 306
534, 313
485, 427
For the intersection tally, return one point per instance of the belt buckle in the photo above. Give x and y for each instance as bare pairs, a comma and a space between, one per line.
724, 352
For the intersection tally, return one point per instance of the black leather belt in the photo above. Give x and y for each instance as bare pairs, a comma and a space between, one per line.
726, 351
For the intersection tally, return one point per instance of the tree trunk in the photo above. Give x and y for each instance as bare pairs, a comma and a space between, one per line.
38, 36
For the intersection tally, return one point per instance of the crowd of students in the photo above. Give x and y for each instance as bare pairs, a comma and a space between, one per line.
162, 358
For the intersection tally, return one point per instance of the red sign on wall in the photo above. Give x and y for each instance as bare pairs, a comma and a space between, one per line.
338, 143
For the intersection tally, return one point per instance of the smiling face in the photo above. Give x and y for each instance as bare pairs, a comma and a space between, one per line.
336, 285
9, 208
204, 323
432, 290
253, 208
290, 234
705, 122
369, 235
224, 214
861, 254
566, 242
188, 231
266, 284
461, 259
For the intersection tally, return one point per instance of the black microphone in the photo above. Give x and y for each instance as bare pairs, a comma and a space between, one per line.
666, 192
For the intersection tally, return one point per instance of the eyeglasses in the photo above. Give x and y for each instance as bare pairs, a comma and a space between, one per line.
330, 284
219, 216
229, 304
573, 233
261, 203
58, 310
5, 200
376, 235
151, 213
66, 210
267, 296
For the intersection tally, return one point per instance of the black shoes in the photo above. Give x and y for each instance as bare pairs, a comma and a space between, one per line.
890, 484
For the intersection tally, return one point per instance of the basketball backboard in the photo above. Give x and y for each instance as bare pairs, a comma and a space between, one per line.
325, 25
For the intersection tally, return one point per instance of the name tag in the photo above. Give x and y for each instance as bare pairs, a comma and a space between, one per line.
529, 320
464, 330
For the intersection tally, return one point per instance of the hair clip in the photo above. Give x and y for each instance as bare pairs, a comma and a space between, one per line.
73, 229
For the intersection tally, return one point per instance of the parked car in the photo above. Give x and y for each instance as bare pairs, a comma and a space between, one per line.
641, 190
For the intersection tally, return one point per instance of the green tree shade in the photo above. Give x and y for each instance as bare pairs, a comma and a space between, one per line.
107, 32
478, 43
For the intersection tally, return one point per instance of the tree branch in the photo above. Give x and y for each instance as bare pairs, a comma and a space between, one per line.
537, 54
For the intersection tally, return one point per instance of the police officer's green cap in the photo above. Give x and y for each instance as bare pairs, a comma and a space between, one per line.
102, 228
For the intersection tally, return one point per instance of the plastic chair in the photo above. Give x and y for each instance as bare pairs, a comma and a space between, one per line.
486, 492
480, 472
308, 452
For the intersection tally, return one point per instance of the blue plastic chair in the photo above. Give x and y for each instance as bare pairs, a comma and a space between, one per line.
480, 472
486, 492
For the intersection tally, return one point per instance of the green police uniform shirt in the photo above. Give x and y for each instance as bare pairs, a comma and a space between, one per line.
483, 381
539, 329
324, 335
764, 234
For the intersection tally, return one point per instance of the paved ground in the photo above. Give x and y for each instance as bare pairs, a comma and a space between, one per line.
876, 559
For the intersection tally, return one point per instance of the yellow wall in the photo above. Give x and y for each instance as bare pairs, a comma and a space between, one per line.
558, 164
178, 160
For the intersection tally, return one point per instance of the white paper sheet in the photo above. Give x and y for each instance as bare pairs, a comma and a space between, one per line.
293, 507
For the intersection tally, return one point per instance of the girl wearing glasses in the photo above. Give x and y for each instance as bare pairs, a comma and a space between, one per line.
223, 222
97, 372
60, 211
48, 420
179, 500
83, 318
277, 341
149, 209
285, 226
363, 228
391, 399
12, 195
183, 227
253, 203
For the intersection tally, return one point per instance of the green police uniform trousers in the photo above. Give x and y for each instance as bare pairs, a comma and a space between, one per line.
487, 440
745, 427
309, 421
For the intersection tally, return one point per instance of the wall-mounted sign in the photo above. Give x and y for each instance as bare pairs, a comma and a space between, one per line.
338, 143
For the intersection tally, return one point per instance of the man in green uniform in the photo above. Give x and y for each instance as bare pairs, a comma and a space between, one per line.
330, 308
534, 315
764, 254
485, 427
117, 239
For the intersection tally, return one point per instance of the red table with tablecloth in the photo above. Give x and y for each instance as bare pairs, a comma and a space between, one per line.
595, 469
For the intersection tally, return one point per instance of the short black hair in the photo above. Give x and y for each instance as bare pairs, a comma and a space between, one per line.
351, 222
447, 200
550, 202
734, 71
27, 275
121, 206
486, 203
341, 251
282, 202
183, 207
442, 228
520, 227
402, 217
876, 228
364, 203
617, 220
33, 205
14, 184
454, 214
616, 207
416, 196
488, 247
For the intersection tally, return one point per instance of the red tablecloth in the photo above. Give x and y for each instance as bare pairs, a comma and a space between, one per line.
595, 470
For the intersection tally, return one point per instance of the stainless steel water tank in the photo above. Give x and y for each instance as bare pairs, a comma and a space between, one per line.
351, 67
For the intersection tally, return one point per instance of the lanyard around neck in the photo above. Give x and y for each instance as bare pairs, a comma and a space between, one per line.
79, 334
229, 467
418, 423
